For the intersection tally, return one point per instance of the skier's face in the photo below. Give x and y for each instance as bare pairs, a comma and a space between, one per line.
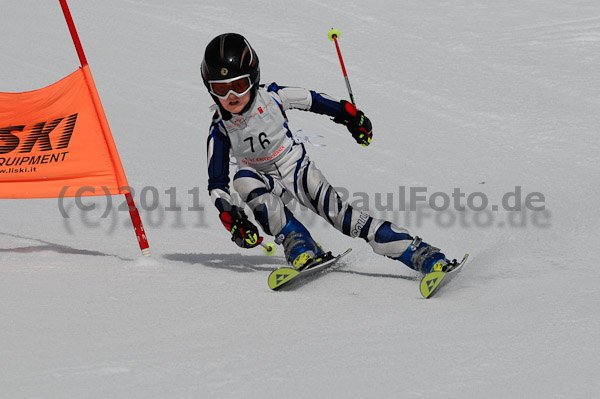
235, 104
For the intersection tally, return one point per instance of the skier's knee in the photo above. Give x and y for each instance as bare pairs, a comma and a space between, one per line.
249, 184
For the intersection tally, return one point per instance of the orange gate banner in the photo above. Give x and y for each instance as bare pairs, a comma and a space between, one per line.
56, 140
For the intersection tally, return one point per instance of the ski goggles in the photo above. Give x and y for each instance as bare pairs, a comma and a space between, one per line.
239, 86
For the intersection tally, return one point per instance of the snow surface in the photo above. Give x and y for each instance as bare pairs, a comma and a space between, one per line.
479, 96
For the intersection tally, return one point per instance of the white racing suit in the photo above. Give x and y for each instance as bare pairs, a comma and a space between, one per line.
273, 169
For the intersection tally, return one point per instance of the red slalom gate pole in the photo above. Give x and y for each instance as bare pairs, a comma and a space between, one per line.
137, 225
133, 211
73, 31
334, 34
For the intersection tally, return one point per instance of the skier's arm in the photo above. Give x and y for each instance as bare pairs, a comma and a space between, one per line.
218, 147
243, 232
342, 111
306, 100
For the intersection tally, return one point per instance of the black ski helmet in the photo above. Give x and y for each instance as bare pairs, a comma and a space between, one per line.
227, 56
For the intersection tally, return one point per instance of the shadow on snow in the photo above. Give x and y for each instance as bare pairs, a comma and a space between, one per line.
251, 263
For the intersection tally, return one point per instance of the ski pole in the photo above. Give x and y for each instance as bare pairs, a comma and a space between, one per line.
269, 249
334, 35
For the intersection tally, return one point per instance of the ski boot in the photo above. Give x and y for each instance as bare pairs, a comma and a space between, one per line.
426, 258
300, 249
390, 240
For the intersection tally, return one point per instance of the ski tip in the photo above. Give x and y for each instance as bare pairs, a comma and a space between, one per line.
280, 276
430, 283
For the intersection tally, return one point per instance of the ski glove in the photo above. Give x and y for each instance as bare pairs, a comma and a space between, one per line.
357, 123
243, 232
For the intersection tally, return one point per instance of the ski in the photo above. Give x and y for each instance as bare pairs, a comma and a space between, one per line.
288, 276
432, 282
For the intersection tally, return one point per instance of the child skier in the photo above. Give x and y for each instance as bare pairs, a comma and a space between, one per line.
250, 124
